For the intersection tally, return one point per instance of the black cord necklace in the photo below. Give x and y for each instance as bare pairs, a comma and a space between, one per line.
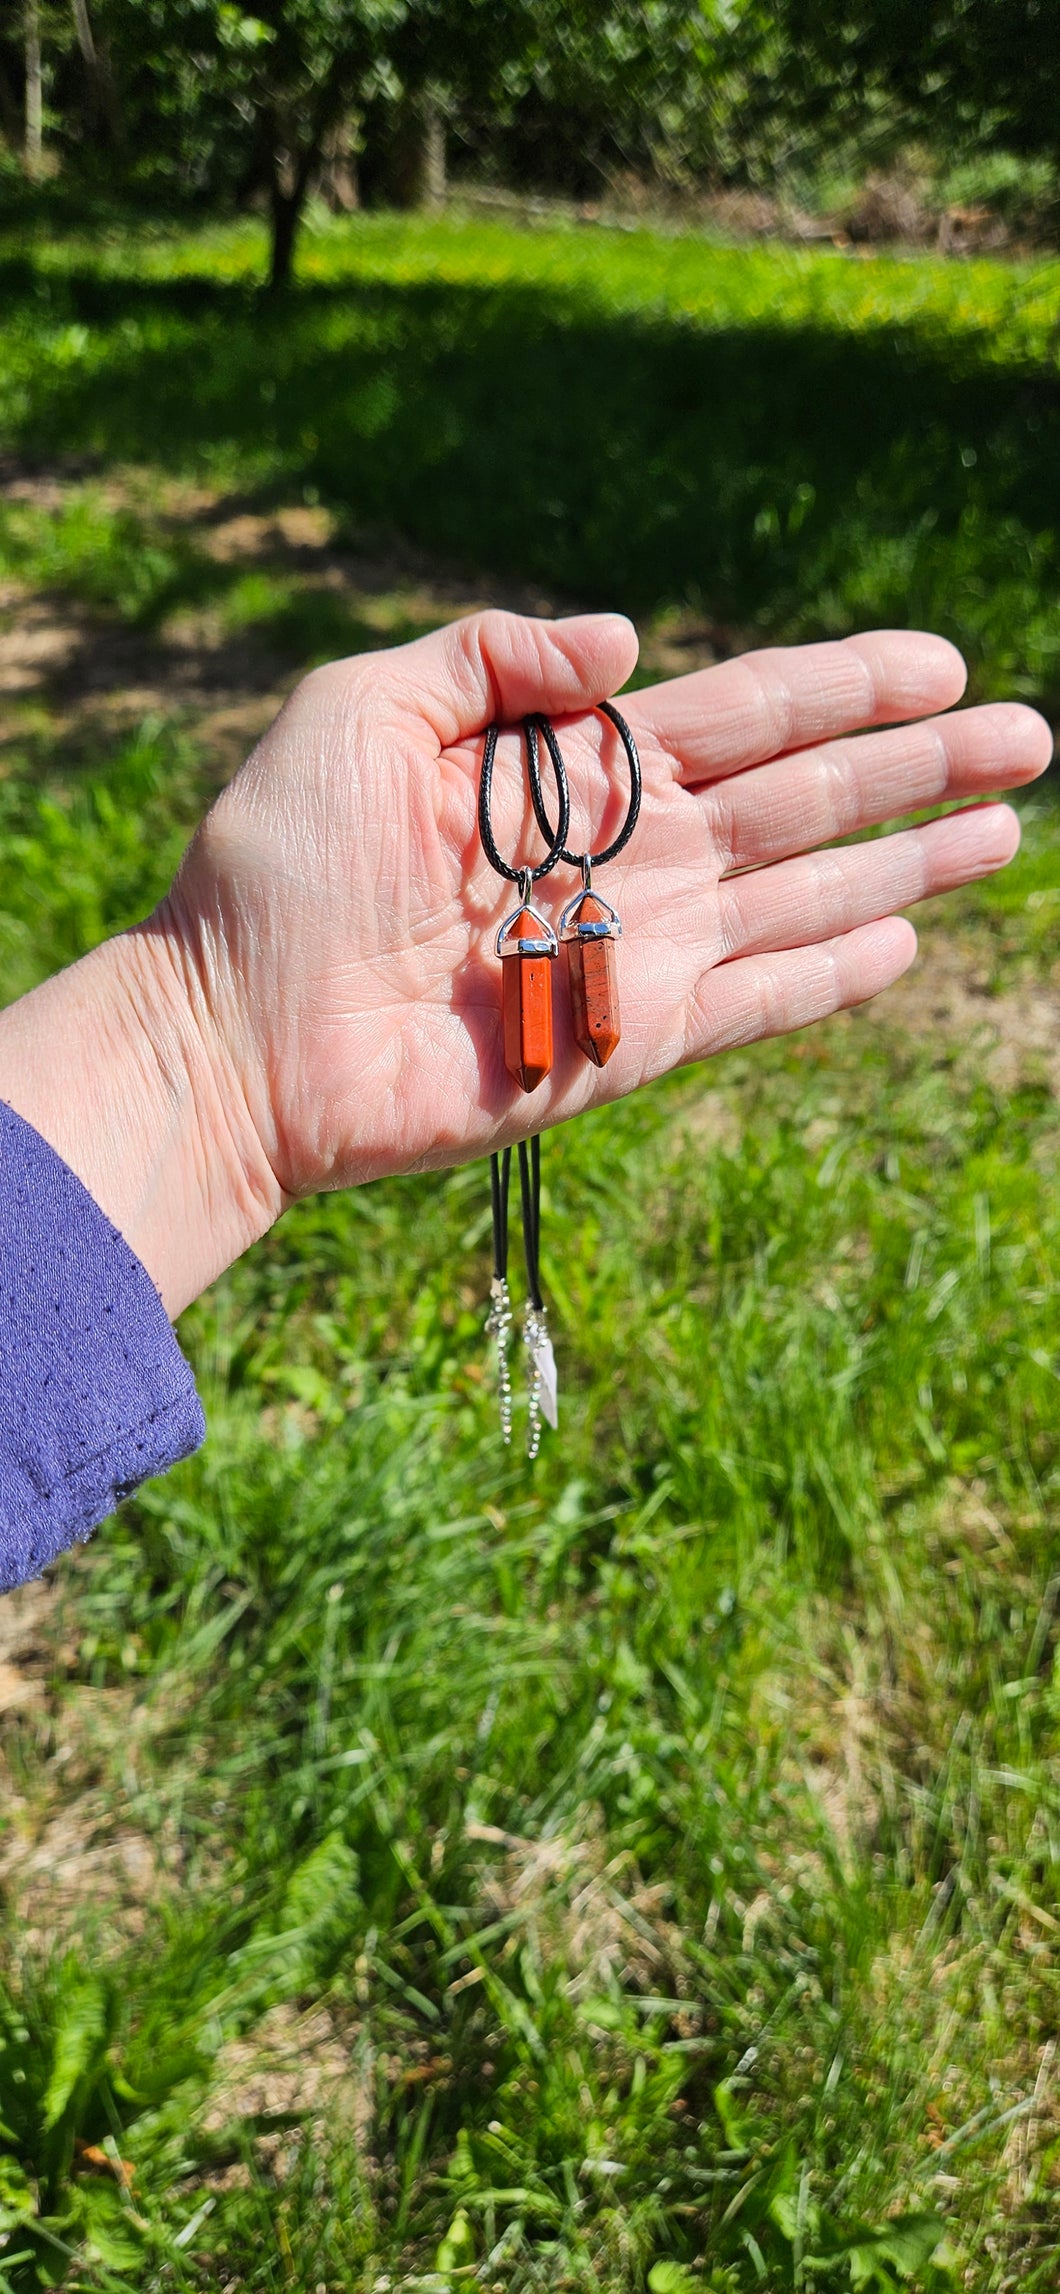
525, 941
588, 924
528, 946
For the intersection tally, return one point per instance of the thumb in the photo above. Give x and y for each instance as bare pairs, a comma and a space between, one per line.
506, 665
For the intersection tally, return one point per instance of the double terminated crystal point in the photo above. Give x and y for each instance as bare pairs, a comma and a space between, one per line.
589, 930
529, 948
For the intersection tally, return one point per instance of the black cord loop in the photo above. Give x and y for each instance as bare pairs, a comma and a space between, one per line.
611, 851
557, 839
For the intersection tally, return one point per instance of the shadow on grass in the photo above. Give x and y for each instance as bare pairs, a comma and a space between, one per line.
301, 625
791, 480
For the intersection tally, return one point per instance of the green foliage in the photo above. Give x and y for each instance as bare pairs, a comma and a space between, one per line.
54, 2087
85, 858
980, 75
290, 1950
76, 2083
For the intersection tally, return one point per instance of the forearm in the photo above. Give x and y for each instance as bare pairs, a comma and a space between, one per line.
111, 1063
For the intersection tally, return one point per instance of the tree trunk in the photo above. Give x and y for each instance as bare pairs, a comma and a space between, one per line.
286, 212
291, 171
33, 145
337, 183
432, 178
10, 115
413, 171
102, 94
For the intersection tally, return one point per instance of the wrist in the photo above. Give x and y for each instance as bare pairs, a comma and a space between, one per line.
113, 1062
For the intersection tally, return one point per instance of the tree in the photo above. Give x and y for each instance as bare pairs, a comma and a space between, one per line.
34, 136
102, 113
977, 73
637, 86
236, 101
220, 101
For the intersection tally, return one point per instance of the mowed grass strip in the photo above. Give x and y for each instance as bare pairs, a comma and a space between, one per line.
643, 1871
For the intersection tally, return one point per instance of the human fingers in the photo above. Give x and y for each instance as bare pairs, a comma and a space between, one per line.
773, 994
505, 665
846, 785
820, 894
717, 721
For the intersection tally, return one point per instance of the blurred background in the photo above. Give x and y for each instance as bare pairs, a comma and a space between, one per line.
639, 1871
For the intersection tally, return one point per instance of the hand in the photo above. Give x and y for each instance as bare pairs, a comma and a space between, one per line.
340, 913
320, 990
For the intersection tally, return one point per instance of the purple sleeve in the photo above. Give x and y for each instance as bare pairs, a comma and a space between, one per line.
94, 1391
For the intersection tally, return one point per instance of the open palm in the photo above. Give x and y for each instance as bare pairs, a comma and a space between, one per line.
340, 913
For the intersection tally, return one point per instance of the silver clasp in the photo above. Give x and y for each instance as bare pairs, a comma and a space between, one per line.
607, 927
545, 945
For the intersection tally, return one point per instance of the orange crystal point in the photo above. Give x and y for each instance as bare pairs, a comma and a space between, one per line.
594, 987
527, 1006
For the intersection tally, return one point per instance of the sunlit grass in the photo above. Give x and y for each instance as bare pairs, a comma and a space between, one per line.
792, 440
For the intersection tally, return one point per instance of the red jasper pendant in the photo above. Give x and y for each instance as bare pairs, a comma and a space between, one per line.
529, 948
590, 928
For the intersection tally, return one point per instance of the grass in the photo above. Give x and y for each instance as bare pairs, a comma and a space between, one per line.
790, 440
641, 1871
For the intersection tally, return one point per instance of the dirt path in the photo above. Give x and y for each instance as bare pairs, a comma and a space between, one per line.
93, 672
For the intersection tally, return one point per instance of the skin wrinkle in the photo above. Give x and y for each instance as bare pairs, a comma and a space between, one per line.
751, 999
476, 651
830, 878
864, 698
837, 798
780, 701
734, 931
261, 1189
898, 870
770, 815
939, 747
917, 854
770, 1002
887, 693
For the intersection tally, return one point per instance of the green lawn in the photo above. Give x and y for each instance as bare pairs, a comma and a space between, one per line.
644, 1869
